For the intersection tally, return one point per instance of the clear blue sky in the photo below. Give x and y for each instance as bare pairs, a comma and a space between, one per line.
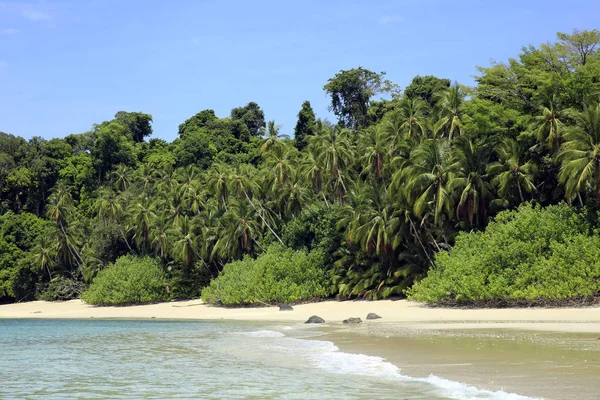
65, 65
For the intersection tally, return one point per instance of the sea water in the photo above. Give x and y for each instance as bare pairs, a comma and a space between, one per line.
64, 359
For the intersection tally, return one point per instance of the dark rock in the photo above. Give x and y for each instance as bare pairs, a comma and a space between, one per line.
285, 307
372, 315
315, 320
353, 320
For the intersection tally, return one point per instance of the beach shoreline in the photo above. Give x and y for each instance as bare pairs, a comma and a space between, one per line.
404, 313
522, 351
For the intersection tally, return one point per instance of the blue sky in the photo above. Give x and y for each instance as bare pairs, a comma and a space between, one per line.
65, 65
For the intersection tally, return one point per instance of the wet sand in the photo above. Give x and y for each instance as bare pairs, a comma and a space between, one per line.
549, 365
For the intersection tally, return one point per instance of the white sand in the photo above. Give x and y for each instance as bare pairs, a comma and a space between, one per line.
407, 314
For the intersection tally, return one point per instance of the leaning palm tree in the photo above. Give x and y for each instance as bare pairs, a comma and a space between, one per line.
580, 155
513, 172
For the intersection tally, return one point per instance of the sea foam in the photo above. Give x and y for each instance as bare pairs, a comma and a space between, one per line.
326, 355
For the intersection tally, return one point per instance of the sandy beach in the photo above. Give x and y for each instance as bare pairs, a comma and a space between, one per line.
398, 313
526, 351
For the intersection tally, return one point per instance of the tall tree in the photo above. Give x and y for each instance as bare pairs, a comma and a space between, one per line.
138, 124
252, 116
305, 126
351, 92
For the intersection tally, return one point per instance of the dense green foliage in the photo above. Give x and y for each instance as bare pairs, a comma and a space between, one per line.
534, 253
130, 280
278, 275
379, 194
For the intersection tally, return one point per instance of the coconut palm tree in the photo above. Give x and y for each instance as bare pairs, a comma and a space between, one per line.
122, 177
547, 125
409, 119
471, 182
239, 230
109, 207
512, 172
450, 113
273, 137
580, 155
217, 183
161, 235
375, 146
185, 241
334, 153
142, 215
426, 178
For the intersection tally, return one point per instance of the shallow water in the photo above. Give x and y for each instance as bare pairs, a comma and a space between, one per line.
211, 360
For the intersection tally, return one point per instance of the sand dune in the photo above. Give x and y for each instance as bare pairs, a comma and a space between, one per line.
401, 312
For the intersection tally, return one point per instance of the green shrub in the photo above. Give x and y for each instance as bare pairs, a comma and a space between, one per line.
130, 280
61, 288
531, 254
279, 275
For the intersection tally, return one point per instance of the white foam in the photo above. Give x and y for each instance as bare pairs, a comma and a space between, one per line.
326, 355
265, 334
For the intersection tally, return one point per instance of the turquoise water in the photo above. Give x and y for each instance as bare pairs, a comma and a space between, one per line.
64, 359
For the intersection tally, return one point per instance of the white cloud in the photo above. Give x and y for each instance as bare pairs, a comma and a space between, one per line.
35, 14
390, 19
9, 31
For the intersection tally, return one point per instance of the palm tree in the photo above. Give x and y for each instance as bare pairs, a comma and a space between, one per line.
185, 247
109, 206
281, 162
375, 147
142, 214
580, 155
239, 229
547, 125
161, 235
450, 112
273, 138
217, 181
145, 175
122, 177
512, 172
470, 183
312, 173
334, 153
60, 209
45, 254
292, 196
409, 119
372, 221
426, 177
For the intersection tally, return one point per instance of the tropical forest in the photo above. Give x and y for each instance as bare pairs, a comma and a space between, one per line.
431, 190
